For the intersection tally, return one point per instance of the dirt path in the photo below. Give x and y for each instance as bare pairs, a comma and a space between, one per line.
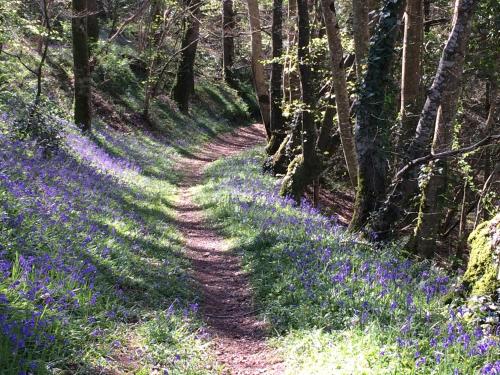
227, 306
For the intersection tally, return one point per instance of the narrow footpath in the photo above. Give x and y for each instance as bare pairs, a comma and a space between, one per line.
227, 303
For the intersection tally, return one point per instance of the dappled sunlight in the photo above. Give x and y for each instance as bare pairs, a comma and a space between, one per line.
308, 272
87, 246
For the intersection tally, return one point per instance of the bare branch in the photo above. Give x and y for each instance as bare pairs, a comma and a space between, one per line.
447, 154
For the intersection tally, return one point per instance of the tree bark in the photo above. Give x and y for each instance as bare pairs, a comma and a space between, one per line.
257, 67
82, 110
228, 26
277, 125
340, 88
305, 167
371, 125
431, 201
406, 186
92, 22
44, 50
291, 81
412, 71
361, 31
184, 84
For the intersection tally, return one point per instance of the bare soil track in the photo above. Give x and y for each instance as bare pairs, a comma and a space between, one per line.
227, 305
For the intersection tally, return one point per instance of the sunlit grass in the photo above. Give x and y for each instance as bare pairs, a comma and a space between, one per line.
92, 270
336, 304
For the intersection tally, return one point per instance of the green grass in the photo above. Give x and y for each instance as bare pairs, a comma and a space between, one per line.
140, 302
335, 304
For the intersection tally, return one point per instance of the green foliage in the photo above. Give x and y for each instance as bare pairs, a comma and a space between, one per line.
40, 122
113, 71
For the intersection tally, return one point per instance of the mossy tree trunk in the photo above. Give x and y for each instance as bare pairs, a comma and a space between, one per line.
81, 68
431, 201
184, 84
340, 88
290, 147
277, 125
257, 57
371, 125
482, 276
228, 28
406, 187
306, 167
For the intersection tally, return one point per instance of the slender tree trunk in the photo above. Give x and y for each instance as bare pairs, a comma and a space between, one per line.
82, 115
291, 81
257, 67
411, 72
340, 88
228, 26
92, 22
361, 31
305, 167
277, 125
184, 84
490, 167
431, 202
427, 14
153, 41
446, 77
44, 51
371, 125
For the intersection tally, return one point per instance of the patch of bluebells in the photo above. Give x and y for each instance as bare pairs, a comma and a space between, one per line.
335, 281
52, 236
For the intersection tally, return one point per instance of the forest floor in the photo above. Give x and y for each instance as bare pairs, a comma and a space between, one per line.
227, 304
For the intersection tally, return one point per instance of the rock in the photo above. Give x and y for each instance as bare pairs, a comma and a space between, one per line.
482, 276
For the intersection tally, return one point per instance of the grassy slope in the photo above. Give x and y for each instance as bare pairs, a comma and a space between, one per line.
339, 306
92, 276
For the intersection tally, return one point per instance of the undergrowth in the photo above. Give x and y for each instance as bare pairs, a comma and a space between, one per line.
92, 272
339, 305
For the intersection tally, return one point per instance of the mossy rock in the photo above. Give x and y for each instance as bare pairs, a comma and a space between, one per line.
483, 270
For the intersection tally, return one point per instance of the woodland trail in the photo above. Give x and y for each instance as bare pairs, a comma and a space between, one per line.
227, 305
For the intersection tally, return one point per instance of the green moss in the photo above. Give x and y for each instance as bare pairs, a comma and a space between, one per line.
482, 270
298, 176
278, 162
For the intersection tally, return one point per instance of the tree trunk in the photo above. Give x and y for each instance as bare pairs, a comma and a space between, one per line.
361, 31
153, 41
340, 88
305, 167
228, 26
82, 115
45, 41
184, 84
277, 164
412, 71
277, 124
407, 186
257, 67
291, 81
431, 202
371, 125
92, 22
